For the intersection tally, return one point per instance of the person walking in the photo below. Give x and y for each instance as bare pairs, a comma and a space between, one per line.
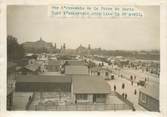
145, 79
132, 83
115, 88
123, 85
131, 77
135, 92
125, 95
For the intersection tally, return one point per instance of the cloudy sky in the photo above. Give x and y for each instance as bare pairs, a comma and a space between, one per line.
29, 23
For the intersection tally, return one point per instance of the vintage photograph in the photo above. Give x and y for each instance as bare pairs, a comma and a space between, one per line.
82, 64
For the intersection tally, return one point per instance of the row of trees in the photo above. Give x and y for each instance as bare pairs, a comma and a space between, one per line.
15, 51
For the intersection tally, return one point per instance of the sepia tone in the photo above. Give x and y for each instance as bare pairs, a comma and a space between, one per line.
65, 64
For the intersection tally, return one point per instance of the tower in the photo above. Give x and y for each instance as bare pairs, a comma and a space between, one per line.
89, 49
64, 46
40, 39
55, 46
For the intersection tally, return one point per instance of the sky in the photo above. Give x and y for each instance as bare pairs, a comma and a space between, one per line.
29, 23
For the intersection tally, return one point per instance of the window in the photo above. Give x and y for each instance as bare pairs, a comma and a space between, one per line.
81, 96
99, 98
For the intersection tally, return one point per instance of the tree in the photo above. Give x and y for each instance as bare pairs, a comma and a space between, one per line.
15, 51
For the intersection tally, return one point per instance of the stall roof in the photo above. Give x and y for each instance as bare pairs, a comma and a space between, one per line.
43, 78
70, 69
90, 85
75, 62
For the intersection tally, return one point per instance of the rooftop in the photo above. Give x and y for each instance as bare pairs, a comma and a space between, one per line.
43, 78
75, 62
32, 67
70, 69
90, 85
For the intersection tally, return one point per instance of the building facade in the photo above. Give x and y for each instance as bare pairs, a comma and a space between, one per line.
11, 80
149, 97
43, 83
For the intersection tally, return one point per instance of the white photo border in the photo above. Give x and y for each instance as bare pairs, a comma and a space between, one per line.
163, 59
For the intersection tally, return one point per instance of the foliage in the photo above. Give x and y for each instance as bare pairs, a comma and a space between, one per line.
15, 51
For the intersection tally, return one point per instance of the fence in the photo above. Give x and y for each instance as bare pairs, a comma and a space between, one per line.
83, 107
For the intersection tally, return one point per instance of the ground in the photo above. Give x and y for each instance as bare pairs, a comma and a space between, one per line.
20, 100
129, 88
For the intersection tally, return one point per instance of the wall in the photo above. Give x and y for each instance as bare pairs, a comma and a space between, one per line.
88, 101
101, 99
33, 86
53, 68
150, 104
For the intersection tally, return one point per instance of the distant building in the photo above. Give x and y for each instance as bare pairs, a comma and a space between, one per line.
149, 97
81, 50
37, 46
54, 65
64, 46
89, 47
11, 79
63, 49
55, 47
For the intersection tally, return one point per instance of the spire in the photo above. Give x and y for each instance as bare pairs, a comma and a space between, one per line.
41, 40
64, 46
55, 45
89, 46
